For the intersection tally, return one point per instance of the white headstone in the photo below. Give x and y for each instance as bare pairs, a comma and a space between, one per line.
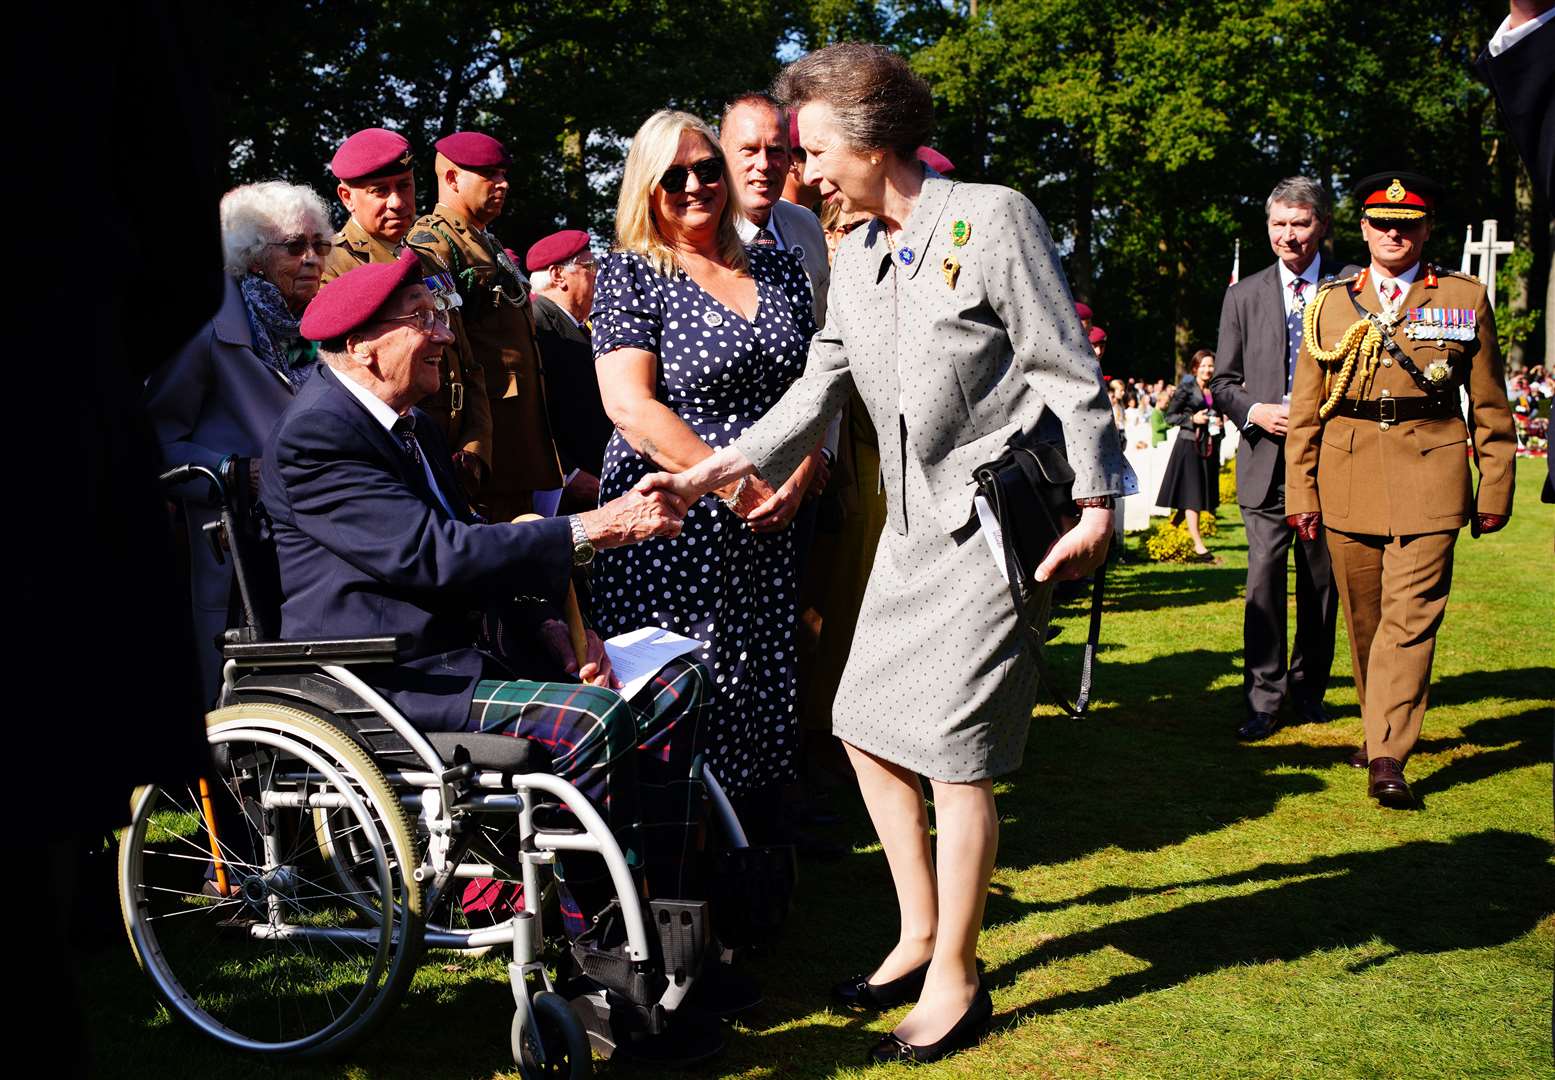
1486, 252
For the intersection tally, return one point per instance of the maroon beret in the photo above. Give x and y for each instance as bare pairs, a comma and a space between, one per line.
935, 160
1098, 335
352, 298
1082, 309
472, 150
371, 152
558, 247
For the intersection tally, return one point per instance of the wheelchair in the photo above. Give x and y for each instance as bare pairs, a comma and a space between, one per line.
282, 904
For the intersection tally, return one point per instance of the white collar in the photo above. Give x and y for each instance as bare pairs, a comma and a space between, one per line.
1404, 280
1309, 275
376, 407
748, 228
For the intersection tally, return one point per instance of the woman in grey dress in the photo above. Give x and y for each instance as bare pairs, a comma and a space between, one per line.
950, 316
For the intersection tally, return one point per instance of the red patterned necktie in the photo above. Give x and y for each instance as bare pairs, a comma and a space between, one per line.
1296, 287
764, 238
1391, 291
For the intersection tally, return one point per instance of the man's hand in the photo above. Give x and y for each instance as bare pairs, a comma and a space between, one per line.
1306, 525
1274, 419
469, 469
596, 669
1081, 549
635, 516
1489, 523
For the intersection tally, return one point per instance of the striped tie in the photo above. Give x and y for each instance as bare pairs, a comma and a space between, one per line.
764, 238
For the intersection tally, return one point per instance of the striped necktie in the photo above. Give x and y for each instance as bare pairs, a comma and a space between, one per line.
764, 238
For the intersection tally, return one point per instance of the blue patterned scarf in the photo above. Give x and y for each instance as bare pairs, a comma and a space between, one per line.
276, 338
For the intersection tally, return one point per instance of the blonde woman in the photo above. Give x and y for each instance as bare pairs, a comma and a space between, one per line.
695, 337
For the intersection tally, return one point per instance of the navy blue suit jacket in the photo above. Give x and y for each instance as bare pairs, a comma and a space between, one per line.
365, 550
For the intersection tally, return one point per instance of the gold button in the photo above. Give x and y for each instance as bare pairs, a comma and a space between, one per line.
1386, 393
1383, 425
1387, 361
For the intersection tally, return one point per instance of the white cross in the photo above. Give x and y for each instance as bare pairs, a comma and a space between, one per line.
1486, 250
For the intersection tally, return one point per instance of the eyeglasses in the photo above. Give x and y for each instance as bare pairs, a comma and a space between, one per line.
708, 170
298, 246
423, 319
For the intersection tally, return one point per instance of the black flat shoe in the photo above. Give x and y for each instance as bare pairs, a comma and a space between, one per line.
967, 1032
860, 993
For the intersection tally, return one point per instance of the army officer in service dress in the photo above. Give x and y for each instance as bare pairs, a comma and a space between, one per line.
950, 316
1376, 454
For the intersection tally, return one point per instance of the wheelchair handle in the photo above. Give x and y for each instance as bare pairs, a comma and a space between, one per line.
178, 476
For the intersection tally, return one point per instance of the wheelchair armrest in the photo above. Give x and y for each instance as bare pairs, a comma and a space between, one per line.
372, 650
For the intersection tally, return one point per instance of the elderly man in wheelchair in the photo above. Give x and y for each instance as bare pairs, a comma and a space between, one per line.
388, 750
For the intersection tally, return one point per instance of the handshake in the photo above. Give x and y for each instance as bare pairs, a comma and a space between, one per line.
651, 509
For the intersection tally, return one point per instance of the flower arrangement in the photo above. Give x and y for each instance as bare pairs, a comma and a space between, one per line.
1228, 482
1171, 543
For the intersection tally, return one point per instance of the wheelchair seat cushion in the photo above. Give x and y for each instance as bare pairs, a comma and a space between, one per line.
500, 752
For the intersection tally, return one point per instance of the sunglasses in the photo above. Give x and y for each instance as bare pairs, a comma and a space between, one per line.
708, 170
298, 246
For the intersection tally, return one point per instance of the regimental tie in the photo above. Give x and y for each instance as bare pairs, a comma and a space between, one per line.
1293, 329
764, 238
405, 431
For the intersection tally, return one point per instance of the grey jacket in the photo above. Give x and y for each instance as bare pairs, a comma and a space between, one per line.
1249, 369
954, 349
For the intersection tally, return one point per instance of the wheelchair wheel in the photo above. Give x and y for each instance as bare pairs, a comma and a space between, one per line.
235, 913
555, 1046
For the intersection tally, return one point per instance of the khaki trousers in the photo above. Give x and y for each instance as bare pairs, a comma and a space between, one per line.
1394, 593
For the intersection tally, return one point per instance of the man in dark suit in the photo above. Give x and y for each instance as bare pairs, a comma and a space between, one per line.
374, 537
1519, 64
1260, 335
561, 277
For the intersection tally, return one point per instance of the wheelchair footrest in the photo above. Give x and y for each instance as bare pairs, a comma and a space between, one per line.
685, 941
599, 953
752, 891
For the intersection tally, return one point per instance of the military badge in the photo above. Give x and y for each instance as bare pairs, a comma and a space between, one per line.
1395, 192
1441, 324
960, 232
1438, 372
951, 269
798, 252
712, 319
906, 255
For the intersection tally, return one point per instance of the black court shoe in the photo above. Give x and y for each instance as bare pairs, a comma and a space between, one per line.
967, 1032
860, 993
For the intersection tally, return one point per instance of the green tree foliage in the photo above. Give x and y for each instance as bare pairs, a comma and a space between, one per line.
1147, 133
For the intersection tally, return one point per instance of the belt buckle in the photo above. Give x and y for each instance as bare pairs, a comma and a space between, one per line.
1387, 410
456, 397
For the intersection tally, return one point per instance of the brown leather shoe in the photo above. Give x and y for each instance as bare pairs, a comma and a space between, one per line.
1387, 785
1357, 759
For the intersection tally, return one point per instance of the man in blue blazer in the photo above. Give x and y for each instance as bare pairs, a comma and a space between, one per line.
374, 537
1260, 333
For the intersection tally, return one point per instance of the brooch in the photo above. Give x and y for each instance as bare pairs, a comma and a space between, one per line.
960, 232
906, 255
712, 318
951, 269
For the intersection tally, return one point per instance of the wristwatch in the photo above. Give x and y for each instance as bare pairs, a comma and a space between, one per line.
582, 546
1100, 502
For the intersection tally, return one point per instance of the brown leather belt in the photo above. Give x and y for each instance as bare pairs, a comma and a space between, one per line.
1390, 410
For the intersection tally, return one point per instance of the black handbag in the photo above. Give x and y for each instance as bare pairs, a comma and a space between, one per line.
1029, 489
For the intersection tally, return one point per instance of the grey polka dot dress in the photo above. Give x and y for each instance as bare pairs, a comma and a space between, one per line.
958, 338
717, 582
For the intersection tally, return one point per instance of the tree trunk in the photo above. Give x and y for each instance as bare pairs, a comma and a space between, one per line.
1084, 210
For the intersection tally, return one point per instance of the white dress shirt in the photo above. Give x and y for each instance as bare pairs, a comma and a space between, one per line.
1404, 281
1505, 37
379, 410
1308, 291
748, 229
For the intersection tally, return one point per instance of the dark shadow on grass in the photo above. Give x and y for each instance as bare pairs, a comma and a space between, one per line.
1148, 588
1478, 891
1519, 740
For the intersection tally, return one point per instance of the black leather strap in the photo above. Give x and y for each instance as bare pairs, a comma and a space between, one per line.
1037, 636
1393, 409
1399, 356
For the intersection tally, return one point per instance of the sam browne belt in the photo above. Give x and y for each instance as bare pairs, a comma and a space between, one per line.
1390, 410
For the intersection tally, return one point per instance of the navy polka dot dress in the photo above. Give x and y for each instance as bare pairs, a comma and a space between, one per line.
718, 582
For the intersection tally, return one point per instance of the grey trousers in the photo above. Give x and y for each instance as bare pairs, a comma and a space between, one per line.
1266, 678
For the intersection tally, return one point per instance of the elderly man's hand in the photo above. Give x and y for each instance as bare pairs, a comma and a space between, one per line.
596, 669
1306, 525
634, 517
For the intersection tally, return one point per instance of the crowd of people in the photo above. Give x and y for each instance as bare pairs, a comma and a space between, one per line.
754, 421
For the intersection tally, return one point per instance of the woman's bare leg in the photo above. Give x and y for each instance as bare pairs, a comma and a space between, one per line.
968, 840
894, 799
1193, 532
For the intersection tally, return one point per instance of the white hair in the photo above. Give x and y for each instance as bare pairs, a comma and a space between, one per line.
541, 278
255, 215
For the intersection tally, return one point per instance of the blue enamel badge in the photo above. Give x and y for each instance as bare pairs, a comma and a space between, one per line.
906, 256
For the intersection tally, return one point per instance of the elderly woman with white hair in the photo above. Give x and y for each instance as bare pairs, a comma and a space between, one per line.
695, 337
224, 390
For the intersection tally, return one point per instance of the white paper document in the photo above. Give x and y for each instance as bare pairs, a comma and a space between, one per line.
992, 534
638, 655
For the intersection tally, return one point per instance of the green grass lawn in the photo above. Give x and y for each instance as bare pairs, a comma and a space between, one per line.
1168, 902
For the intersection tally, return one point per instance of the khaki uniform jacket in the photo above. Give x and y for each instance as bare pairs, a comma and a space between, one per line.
1412, 476
469, 426
501, 330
